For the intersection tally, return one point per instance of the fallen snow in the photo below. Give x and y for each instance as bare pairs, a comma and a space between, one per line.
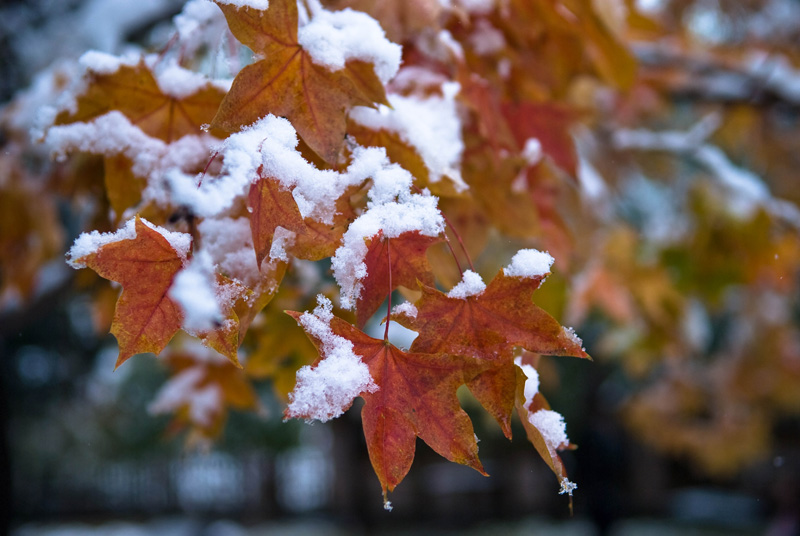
552, 427
531, 381
325, 391
571, 335
471, 284
405, 308
333, 37
263, 5
88, 243
431, 125
529, 263
194, 291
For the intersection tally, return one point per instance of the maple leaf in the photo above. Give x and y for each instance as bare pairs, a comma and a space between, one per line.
134, 91
201, 390
392, 262
401, 20
548, 122
272, 206
540, 439
416, 397
288, 83
487, 326
145, 318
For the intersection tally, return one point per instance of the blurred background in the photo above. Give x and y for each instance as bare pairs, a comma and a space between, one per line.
683, 286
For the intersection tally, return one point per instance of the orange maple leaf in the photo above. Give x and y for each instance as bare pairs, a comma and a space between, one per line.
134, 91
146, 318
271, 206
487, 326
416, 397
403, 257
288, 83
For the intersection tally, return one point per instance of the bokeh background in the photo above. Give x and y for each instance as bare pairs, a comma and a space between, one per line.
687, 421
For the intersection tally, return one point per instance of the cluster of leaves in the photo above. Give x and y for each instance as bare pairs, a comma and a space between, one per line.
223, 195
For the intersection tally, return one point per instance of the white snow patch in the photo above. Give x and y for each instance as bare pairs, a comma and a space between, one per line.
325, 391
567, 487
471, 284
552, 427
230, 243
392, 210
405, 308
102, 63
532, 151
529, 263
531, 381
430, 125
88, 243
334, 37
193, 290
571, 335
281, 239
263, 5
177, 82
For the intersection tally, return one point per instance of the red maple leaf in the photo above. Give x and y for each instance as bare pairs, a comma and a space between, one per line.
416, 397
487, 326
392, 262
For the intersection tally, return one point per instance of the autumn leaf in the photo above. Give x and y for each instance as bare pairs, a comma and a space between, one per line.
123, 187
202, 388
145, 265
401, 20
288, 83
487, 326
539, 438
403, 257
416, 397
550, 124
272, 206
134, 91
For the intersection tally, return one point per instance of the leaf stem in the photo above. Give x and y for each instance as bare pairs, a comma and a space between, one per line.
453, 253
205, 169
460, 242
389, 298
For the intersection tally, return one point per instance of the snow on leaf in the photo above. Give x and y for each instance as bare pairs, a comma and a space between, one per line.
403, 257
145, 265
289, 82
271, 205
167, 106
487, 326
327, 390
416, 397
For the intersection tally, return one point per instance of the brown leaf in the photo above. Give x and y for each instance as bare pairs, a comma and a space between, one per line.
288, 83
